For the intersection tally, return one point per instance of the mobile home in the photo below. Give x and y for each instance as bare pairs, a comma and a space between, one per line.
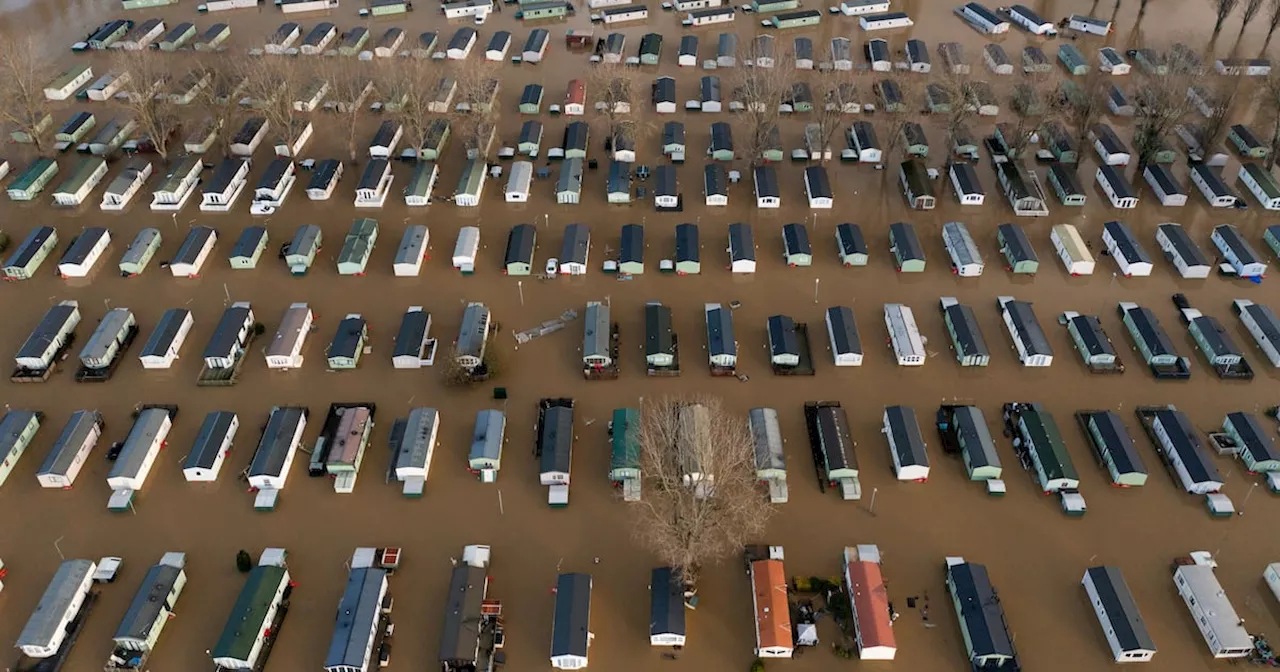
1116, 187
688, 257
906, 444
33, 180
485, 457
30, 254
966, 184
571, 622
1017, 250
722, 348
1259, 181
1211, 186
966, 258
178, 185
966, 335
17, 430
471, 183
1029, 339
774, 638
194, 252
869, 603
301, 251
1153, 342
285, 349
473, 335
81, 182
1065, 183
884, 21
1131, 257
1180, 443
146, 438
916, 185
357, 247
1118, 614
851, 244
742, 248
164, 344
969, 427
414, 347
348, 343
374, 184
66, 84
1039, 436
1257, 445
249, 247
256, 614
1263, 325
54, 332
269, 468
53, 624
83, 252
465, 249
109, 340
230, 336
904, 245
904, 335
988, 642
1237, 251
415, 449
1165, 185
1220, 625
70, 450
1072, 250
121, 190
151, 608
1180, 249
1113, 447
221, 191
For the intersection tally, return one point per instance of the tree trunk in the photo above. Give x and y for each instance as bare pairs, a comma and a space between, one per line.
1267, 42
1217, 25
1275, 142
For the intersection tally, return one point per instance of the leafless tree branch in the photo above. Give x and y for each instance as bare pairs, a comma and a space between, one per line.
220, 99
759, 83
411, 87
276, 84
352, 87
148, 98
1221, 10
24, 74
478, 86
1162, 104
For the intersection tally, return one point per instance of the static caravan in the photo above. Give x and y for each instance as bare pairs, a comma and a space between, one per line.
1182, 251
664, 95
83, 252
269, 469
1110, 148
1220, 625
1248, 67
142, 36
1116, 187
1072, 250
884, 21
555, 443
843, 336
249, 247
982, 18
230, 336
164, 344
375, 184
688, 55
1074, 61
918, 59
1153, 342
1180, 443
389, 44
17, 430
571, 623
997, 59
107, 86
385, 139
666, 608
466, 248
1118, 615
499, 44
1039, 433
673, 141
1263, 325
721, 145
795, 245
257, 614
1211, 186
860, 7
1029, 339
75, 130
285, 349
301, 251
113, 334
1017, 250
742, 248
70, 450
569, 183
194, 252
1236, 250
906, 444
966, 335
33, 180
1088, 25
1165, 185
485, 457
774, 637
624, 13
666, 191
324, 179
575, 249
1034, 60
878, 55
862, 139
952, 56
530, 141
470, 183
965, 183
521, 242
357, 247
415, 448
55, 332
535, 47
908, 253
1110, 61
411, 252
414, 348
1257, 445
966, 258
1031, 21
722, 348
81, 182
273, 187
710, 16
841, 51
618, 183
1118, 103
318, 39
282, 40
110, 33
630, 249
213, 37
851, 244
1066, 185
1131, 257
353, 41
916, 185
890, 95
968, 426
52, 625
768, 194
688, 257
985, 631
904, 335
802, 48
141, 447
66, 84
178, 185
1113, 447
221, 191
30, 254
129, 182
869, 603
715, 185
178, 37
1217, 345
1259, 181
1247, 144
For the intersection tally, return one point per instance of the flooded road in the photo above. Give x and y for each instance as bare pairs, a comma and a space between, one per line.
1036, 556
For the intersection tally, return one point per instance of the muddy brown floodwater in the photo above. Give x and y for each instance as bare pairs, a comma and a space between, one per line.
1035, 555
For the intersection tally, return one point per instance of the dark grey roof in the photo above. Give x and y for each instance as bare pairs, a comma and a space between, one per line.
520, 244
1216, 338
76, 121
222, 177
689, 45
631, 243
208, 443
385, 134
499, 41
1126, 243
359, 611
413, 328
968, 335
664, 180
1028, 328
1110, 142
917, 51
666, 602
1163, 176
577, 237
1245, 135
413, 445
766, 179
1124, 620
658, 335
1089, 330
372, 175
147, 603
971, 427
889, 91
815, 177
865, 135
461, 630
849, 238
1183, 244
556, 439
980, 612
274, 173
1016, 241
193, 244
273, 448
248, 241
664, 90
967, 176
575, 135
687, 247
68, 443
82, 245
903, 237
721, 136
318, 34
742, 245
1257, 441
323, 174
1210, 178
27, 250
844, 330
284, 32
226, 334
834, 438
795, 239
1066, 178
530, 131
1231, 237
1117, 442
714, 180
1148, 325
782, 336
1186, 443
49, 328
571, 625
346, 340
877, 50
461, 38
651, 43
619, 180
1267, 322
166, 331
672, 133
907, 440
802, 47
720, 340
57, 599
246, 133
1116, 179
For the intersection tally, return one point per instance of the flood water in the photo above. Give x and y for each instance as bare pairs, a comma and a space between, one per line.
1036, 556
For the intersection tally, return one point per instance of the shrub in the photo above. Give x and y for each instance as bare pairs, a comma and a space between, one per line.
757, 665
244, 562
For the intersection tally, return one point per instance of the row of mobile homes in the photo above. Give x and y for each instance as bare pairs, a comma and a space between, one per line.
1037, 436
966, 258
842, 331
303, 248
1181, 249
140, 252
966, 336
555, 448
904, 245
1029, 339
255, 617
348, 343
414, 446
906, 444
965, 427
414, 347
624, 452
141, 448
1153, 342
52, 335
1113, 447
1118, 614
212, 444
30, 254
81, 182
194, 252
1257, 446
774, 636
1219, 623
164, 344
103, 349
771, 464
30, 182
988, 642
70, 450
178, 185
1072, 250
285, 349
84, 252
1130, 255
269, 470
17, 430
121, 190
1237, 252
1017, 250
904, 335
829, 439
151, 608
249, 247
58, 617
722, 347
869, 603
1179, 444
1263, 325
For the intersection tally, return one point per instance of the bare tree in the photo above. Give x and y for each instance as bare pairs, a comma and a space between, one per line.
227, 74
621, 100
24, 73
410, 90
276, 85
1269, 111
1273, 21
352, 88
701, 500
1028, 102
1221, 10
896, 116
1249, 12
148, 99
1219, 95
953, 87
759, 84
1162, 104
1081, 102
478, 106
831, 91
